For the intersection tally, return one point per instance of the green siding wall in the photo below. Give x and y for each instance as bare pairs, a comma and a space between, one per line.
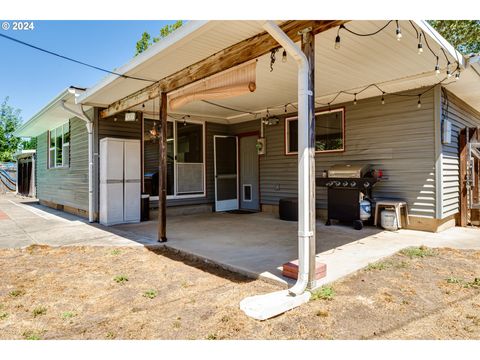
65, 186
396, 137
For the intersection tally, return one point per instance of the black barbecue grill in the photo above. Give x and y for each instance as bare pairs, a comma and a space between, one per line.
345, 183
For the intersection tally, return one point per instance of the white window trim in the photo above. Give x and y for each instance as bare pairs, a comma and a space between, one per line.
184, 195
287, 135
64, 144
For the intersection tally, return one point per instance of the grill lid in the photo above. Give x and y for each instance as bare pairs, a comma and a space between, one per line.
348, 170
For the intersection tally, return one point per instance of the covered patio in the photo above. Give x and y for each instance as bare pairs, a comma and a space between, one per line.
216, 82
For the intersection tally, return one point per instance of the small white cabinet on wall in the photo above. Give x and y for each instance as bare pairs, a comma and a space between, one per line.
119, 181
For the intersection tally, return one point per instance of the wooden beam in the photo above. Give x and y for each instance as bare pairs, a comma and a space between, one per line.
234, 55
162, 171
463, 176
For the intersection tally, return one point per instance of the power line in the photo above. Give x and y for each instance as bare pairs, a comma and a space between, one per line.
74, 60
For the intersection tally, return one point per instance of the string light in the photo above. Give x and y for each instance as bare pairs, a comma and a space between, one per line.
457, 75
337, 39
355, 99
437, 68
284, 56
449, 74
383, 98
419, 103
398, 32
420, 45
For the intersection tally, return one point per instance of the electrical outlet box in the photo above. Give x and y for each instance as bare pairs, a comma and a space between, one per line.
447, 132
261, 146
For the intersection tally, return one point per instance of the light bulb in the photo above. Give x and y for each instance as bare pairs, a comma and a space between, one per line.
457, 75
284, 56
355, 100
383, 100
449, 74
419, 103
399, 33
420, 48
337, 42
437, 69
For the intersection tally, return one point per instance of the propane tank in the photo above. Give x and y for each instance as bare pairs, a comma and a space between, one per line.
365, 209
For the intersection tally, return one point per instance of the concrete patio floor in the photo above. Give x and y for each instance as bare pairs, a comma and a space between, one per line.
258, 244
255, 245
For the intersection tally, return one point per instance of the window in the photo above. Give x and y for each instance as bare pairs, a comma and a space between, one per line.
59, 146
329, 132
185, 158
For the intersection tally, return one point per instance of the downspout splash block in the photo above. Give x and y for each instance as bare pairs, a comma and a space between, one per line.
263, 307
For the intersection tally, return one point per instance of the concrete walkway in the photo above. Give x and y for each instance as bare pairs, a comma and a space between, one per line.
253, 244
25, 222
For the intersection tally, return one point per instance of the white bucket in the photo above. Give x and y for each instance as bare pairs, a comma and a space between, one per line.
388, 220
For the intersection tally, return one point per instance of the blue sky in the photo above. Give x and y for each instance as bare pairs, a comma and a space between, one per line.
32, 78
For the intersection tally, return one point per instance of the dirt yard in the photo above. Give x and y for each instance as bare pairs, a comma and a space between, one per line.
135, 293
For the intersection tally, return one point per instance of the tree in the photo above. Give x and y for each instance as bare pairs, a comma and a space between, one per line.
9, 122
463, 34
30, 144
145, 42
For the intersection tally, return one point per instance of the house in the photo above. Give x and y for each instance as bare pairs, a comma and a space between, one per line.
377, 100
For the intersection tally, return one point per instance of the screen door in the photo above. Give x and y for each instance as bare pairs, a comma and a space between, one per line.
226, 173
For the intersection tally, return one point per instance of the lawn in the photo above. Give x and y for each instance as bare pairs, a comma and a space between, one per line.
135, 293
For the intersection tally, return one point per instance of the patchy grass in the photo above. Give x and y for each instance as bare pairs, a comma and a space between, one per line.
16, 293
39, 310
408, 303
115, 252
68, 315
418, 252
31, 335
475, 283
454, 280
150, 294
381, 265
324, 293
3, 315
120, 279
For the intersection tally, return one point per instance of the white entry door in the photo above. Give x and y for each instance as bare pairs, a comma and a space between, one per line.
226, 172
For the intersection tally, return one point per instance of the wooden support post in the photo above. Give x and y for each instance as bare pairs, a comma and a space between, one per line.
308, 48
463, 176
162, 171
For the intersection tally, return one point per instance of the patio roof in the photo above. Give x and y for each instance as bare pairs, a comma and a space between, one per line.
380, 59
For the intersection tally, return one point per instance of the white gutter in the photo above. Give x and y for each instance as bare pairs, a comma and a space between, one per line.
89, 124
266, 306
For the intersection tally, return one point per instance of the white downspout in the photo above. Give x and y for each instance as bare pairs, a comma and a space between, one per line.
305, 229
89, 125
266, 306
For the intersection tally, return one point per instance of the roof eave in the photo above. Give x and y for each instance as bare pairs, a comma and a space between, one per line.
185, 30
